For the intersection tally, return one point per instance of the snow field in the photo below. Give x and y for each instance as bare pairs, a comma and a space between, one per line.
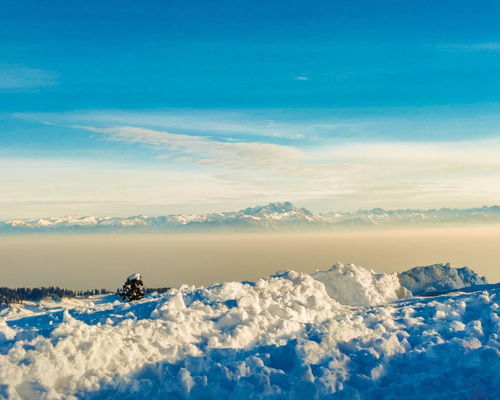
282, 337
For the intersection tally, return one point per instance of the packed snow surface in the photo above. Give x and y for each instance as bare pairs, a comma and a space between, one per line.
288, 336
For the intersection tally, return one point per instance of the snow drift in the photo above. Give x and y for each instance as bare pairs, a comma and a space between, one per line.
439, 278
357, 286
282, 337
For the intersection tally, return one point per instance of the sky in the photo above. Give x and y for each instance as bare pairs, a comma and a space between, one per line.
157, 107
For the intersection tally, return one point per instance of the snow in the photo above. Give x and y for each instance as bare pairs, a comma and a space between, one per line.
357, 286
439, 278
287, 336
134, 276
6, 332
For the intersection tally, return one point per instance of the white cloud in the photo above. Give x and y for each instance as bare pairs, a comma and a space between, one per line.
220, 123
405, 170
302, 78
205, 151
197, 171
296, 126
487, 46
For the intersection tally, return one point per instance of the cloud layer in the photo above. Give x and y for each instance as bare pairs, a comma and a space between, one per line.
183, 172
359, 173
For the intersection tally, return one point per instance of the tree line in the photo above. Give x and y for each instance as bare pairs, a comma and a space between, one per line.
18, 295
10, 296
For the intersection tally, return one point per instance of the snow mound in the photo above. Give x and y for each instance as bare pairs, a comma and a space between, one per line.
71, 352
282, 337
439, 278
357, 286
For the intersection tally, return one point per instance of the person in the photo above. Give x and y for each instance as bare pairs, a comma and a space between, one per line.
133, 288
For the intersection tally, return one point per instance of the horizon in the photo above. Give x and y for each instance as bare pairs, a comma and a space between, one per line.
200, 259
341, 211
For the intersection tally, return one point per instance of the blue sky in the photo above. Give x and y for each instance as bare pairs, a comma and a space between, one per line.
184, 106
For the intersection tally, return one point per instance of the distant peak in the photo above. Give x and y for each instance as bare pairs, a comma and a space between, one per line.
271, 208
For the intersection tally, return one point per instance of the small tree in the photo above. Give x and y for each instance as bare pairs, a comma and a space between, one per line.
133, 288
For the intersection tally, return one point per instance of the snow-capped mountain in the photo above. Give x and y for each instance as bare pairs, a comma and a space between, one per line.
442, 216
288, 336
270, 217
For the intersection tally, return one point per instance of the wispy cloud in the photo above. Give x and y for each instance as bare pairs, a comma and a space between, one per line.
210, 123
487, 46
297, 127
173, 168
349, 167
205, 151
20, 77
199, 171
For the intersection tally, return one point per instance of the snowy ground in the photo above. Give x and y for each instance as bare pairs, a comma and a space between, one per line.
347, 333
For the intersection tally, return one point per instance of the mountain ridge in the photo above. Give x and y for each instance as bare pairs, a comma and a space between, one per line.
269, 217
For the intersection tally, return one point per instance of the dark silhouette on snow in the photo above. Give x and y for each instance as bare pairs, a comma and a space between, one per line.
10, 296
133, 288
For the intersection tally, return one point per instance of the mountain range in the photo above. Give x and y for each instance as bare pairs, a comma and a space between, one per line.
271, 217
